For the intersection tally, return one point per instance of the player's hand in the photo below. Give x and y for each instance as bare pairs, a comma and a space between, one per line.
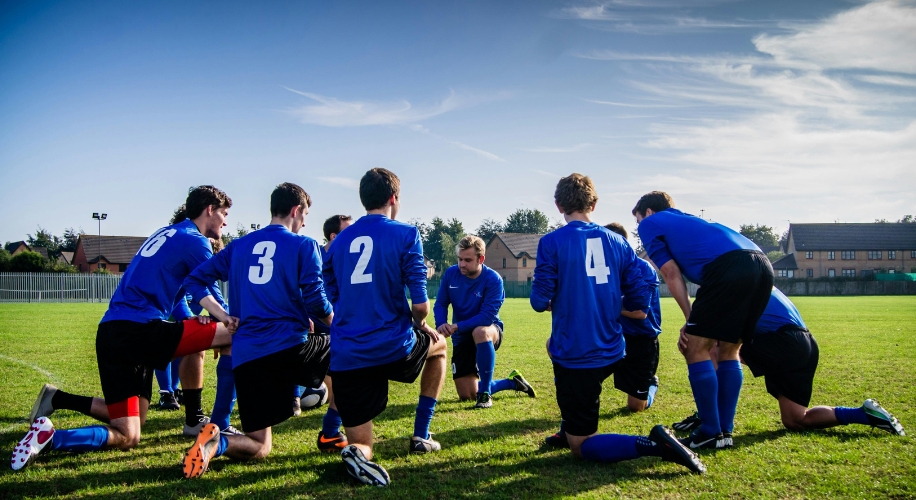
682, 340
203, 320
311, 327
549, 306
444, 329
433, 334
232, 324
216, 353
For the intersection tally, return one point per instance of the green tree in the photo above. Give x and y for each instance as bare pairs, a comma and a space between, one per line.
763, 236
59, 266
526, 220
28, 262
44, 238
70, 239
4, 260
488, 229
440, 241
907, 219
775, 255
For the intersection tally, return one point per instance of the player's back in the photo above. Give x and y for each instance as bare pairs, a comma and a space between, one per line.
369, 268
151, 285
652, 325
780, 312
590, 266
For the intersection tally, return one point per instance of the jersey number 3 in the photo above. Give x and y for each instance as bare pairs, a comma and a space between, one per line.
360, 275
261, 272
595, 264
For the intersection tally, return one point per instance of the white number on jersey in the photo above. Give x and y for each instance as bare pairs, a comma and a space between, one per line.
359, 274
594, 261
155, 242
264, 269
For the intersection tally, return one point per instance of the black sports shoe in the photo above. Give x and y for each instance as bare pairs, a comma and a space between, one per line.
167, 401
362, 469
521, 384
673, 451
688, 424
483, 401
697, 441
728, 441
557, 440
179, 396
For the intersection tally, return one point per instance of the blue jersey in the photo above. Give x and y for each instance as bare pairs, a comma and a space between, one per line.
275, 282
652, 325
369, 269
319, 326
688, 240
186, 307
582, 271
152, 284
780, 312
475, 302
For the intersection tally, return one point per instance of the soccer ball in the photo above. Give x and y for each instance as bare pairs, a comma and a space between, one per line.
313, 397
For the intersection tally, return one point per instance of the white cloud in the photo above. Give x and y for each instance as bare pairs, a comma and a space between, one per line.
888, 80
342, 181
485, 154
332, 112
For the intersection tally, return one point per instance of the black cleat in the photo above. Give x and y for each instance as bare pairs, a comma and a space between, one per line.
688, 424
673, 451
483, 401
697, 441
557, 440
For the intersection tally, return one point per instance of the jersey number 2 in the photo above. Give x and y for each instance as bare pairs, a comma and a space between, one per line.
594, 261
261, 272
359, 274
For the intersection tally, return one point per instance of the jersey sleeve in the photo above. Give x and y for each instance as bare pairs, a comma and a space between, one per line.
330, 281
201, 279
651, 278
545, 276
440, 309
413, 268
311, 283
633, 284
654, 242
493, 297
182, 311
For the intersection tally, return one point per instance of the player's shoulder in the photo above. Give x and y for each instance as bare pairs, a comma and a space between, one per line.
187, 233
490, 274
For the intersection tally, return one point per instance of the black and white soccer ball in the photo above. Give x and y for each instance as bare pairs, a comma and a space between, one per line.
313, 397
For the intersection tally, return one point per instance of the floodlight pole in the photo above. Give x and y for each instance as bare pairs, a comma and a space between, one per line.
98, 264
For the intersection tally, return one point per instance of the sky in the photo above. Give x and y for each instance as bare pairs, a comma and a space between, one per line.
745, 112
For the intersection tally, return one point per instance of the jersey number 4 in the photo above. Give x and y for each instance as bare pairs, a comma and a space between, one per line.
361, 244
261, 272
594, 261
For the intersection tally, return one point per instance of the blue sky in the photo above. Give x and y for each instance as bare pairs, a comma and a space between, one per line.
753, 112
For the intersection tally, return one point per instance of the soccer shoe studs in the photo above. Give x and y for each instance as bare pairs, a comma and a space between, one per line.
881, 418
362, 469
197, 459
40, 433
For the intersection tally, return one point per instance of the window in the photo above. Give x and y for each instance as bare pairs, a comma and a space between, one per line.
780, 273
913, 254
848, 255
891, 254
504, 263
891, 271
874, 255
831, 255
850, 273
102, 265
809, 255
809, 273
524, 262
831, 273
785, 273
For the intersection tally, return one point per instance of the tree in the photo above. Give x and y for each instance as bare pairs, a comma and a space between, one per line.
763, 236
28, 262
526, 220
4, 260
907, 219
59, 266
784, 239
556, 224
441, 238
70, 239
775, 255
635, 234
488, 229
421, 226
44, 238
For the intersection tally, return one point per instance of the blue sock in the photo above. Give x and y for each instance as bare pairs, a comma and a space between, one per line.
225, 393
164, 378
425, 409
223, 444
297, 391
609, 448
652, 390
83, 439
705, 389
176, 379
846, 416
486, 363
330, 425
730, 377
501, 385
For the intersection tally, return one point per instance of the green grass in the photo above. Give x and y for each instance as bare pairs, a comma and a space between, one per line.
867, 350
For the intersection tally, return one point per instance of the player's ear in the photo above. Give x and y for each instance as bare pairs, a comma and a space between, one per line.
482, 258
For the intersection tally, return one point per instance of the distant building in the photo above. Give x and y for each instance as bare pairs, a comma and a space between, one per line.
847, 249
116, 252
21, 246
513, 255
66, 257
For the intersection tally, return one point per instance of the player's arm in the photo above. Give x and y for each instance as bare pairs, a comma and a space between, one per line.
671, 272
634, 314
440, 310
636, 290
493, 297
311, 284
414, 271
545, 278
330, 281
181, 310
200, 281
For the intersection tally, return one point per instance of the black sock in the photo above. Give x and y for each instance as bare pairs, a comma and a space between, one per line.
66, 401
192, 409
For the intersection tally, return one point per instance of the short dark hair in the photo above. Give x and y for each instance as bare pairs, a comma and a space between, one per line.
575, 193
377, 187
618, 228
180, 214
201, 197
656, 200
332, 225
286, 197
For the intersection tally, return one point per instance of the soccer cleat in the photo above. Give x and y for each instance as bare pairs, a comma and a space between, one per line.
420, 445
297, 407
483, 401
231, 431
39, 435
674, 451
179, 396
362, 469
696, 442
688, 424
329, 444
167, 401
728, 441
521, 384
197, 459
881, 418
558, 440
42, 406
194, 430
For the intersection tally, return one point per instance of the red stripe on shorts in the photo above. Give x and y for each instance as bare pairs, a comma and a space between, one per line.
130, 407
195, 337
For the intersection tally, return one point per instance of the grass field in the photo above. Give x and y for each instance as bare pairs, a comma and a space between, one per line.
867, 350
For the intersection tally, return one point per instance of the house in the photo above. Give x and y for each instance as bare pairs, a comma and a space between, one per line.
66, 257
848, 249
513, 255
785, 266
21, 246
108, 252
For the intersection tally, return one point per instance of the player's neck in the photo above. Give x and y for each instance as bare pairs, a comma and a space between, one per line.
386, 211
579, 216
287, 222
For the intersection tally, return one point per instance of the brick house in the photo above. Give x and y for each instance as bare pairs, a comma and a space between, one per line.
847, 249
513, 255
21, 246
116, 252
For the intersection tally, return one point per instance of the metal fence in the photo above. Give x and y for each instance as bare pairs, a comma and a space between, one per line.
522, 289
57, 287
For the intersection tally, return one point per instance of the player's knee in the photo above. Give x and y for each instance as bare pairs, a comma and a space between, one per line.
793, 423
466, 395
263, 451
127, 441
436, 350
637, 405
576, 450
480, 335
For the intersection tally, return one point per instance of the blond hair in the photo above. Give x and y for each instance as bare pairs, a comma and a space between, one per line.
471, 241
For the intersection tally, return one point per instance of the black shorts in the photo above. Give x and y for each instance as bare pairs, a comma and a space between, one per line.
578, 396
128, 351
464, 355
264, 386
787, 359
636, 372
736, 289
362, 394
